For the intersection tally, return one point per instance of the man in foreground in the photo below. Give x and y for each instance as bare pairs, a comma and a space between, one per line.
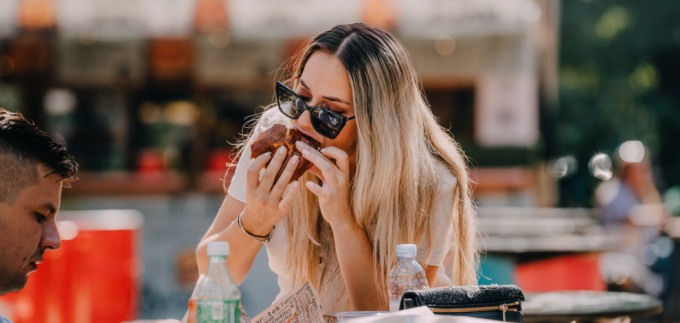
33, 170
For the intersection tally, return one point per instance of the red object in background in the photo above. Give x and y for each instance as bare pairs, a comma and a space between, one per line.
219, 159
570, 272
93, 277
150, 161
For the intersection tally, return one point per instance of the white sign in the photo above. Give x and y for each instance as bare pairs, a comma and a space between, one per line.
507, 110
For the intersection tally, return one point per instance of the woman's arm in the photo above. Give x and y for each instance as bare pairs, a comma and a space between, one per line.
352, 246
355, 256
224, 228
267, 202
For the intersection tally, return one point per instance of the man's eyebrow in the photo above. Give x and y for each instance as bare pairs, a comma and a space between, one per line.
329, 98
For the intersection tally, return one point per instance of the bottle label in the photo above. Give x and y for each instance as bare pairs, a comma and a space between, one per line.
219, 311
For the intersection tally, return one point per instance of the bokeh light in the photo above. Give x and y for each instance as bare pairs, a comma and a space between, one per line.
612, 22
68, 230
600, 166
632, 151
563, 166
445, 45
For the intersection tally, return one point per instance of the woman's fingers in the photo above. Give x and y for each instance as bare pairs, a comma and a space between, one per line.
289, 195
317, 158
340, 157
272, 169
253, 175
318, 190
330, 164
282, 183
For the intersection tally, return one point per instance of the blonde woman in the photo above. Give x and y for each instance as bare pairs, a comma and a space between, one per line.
387, 173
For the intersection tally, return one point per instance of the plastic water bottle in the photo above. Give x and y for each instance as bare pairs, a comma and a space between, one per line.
218, 299
406, 275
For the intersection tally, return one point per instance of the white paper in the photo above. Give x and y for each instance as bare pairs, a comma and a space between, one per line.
301, 305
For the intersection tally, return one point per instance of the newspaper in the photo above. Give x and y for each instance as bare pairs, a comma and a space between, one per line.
299, 306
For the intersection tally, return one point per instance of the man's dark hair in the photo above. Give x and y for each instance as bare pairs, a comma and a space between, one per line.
22, 146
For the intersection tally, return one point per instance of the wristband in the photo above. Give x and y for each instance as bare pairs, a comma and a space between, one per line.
263, 239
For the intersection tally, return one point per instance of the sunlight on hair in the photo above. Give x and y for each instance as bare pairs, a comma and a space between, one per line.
600, 166
632, 151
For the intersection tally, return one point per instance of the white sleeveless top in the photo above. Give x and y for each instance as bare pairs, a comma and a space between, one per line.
331, 290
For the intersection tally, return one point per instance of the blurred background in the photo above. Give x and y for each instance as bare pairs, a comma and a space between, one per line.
551, 100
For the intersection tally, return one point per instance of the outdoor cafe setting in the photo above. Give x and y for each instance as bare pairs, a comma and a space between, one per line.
340, 161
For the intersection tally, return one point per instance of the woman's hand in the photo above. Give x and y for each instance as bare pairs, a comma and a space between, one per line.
269, 201
331, 165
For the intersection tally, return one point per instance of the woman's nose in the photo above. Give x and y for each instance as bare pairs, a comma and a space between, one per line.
304, 121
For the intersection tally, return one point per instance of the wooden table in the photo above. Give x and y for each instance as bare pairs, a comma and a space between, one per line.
588, 306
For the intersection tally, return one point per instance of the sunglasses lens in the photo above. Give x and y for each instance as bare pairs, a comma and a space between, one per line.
327, 123
289, 104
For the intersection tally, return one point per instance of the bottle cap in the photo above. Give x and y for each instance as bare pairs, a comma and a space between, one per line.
406, 250
218, 248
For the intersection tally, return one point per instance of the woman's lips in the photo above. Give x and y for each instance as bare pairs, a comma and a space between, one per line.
306, 134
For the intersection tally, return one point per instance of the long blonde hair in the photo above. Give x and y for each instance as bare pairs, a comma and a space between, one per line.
395, 185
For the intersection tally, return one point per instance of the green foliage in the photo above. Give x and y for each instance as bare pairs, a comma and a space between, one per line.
618, 77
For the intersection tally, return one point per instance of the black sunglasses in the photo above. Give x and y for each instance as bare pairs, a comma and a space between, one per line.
325, 121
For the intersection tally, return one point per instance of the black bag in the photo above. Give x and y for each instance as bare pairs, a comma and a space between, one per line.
492, 302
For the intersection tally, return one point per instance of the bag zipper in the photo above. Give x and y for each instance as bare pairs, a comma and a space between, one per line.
506, 307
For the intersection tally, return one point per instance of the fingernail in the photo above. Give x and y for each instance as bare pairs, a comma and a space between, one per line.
294, 159
299, 144
267, 154
281, 150
304, 152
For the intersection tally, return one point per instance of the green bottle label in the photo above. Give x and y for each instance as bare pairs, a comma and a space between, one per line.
219, 311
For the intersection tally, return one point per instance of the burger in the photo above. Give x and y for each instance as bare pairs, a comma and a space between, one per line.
281, 136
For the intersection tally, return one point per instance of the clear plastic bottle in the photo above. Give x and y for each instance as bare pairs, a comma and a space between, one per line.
406, 275
218, 299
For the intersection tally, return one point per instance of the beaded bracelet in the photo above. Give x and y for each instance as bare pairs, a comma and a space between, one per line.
264, 239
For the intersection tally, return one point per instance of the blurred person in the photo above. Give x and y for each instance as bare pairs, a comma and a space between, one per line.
34, 170
387, 173
632, 210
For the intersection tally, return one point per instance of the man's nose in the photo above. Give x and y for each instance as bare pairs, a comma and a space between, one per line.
50, 236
